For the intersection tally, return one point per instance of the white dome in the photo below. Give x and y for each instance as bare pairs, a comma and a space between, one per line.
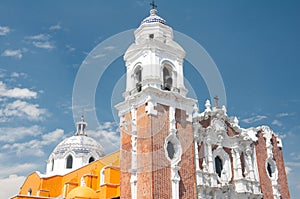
79, 144
74, 152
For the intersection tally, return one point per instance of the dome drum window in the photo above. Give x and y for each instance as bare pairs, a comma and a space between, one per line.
69, 162
92, 159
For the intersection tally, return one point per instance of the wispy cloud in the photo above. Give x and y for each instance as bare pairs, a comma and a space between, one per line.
55, 27
109, 47
41, 37
277, 123
41, 41
293, 164
282, 115
13, 134
17, 75
35, 147
70, 48
254, 119
45, 45
4, 30
16, 168
12, 53
22, 110
108, 135
288, 170
21, 93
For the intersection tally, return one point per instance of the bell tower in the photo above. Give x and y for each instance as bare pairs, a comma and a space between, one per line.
157, 151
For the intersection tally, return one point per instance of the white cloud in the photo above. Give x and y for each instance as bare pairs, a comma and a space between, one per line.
277, 123
254, 119
12, 53
53, 136
4, 30
70, 48
99, 56
41, 41
108, 136
109, 47
13, 134
55, 27
293, 164
39, 37
44, 45
16, 168
22, 93
23, 110
35, 147
17, 75
288, 170
282, 115
11, 185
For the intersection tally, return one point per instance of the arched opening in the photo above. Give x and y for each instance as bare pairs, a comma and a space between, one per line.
92, 159
69, 162
138, 78
218, 165
167, 79
269, 169
52, 164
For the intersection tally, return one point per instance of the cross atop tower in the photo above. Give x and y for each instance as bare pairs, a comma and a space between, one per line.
153, 4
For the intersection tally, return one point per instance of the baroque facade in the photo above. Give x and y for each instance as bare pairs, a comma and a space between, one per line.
168, 149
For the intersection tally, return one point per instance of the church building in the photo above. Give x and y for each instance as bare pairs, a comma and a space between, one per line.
168, 148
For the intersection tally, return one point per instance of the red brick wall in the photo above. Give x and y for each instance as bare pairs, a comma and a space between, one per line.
282, 180
154, 172
261, 156
125, 157
187, 185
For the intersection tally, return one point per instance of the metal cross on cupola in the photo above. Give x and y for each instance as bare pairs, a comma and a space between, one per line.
153, 5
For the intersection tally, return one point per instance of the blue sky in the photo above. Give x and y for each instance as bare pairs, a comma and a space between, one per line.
255, 45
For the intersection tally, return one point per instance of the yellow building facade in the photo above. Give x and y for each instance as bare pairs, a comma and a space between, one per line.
99, 179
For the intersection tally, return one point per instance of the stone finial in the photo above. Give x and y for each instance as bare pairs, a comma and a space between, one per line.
207, 105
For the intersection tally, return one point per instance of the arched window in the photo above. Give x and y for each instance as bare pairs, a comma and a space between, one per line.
52, 164
138, 78
69, 163
92, 159
218, 165
269, 169
167, 78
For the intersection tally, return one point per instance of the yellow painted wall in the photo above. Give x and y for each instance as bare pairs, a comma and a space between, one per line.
54, 186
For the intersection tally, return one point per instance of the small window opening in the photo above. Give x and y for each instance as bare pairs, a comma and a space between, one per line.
269, 169
92, 159
218, 165
151, 36
69, 164
171, 150
167, 79
29, 192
